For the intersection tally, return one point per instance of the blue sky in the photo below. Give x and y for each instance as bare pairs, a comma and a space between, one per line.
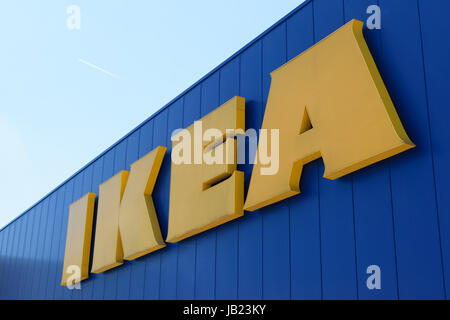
58, 111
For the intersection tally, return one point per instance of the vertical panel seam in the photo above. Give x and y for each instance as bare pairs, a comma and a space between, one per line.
393, 229
91, 187
51, 242
238, 229
288, 203
262, 217
158, 253
124, 263
195, 242
23, 253
354, 239
431, 147
353, 204
389, 165
101, 179
35, 253
145, 264
6, 254
22, 289
169, 134
15, 262
15, 256
113, 165
215, 231
75, 198
60, 235
318, 179
70, 293
138, 132
9, 253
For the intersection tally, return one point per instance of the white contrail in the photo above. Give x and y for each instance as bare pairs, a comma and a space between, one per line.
98, 68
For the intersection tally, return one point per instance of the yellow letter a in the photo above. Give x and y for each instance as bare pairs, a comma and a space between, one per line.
329, 102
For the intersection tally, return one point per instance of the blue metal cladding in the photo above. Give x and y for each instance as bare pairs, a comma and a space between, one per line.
317, 245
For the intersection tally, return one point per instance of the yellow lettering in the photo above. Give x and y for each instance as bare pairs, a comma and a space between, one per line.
138, 223
209, 191
329, 102
78, 240
127, 226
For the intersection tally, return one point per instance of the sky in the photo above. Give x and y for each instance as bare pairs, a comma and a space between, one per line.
70, 88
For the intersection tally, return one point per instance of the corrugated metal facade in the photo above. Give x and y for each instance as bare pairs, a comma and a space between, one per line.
395, 214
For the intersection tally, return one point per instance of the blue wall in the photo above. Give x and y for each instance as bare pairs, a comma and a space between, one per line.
395, 214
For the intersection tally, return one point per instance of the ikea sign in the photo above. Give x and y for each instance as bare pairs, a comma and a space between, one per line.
329, 102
